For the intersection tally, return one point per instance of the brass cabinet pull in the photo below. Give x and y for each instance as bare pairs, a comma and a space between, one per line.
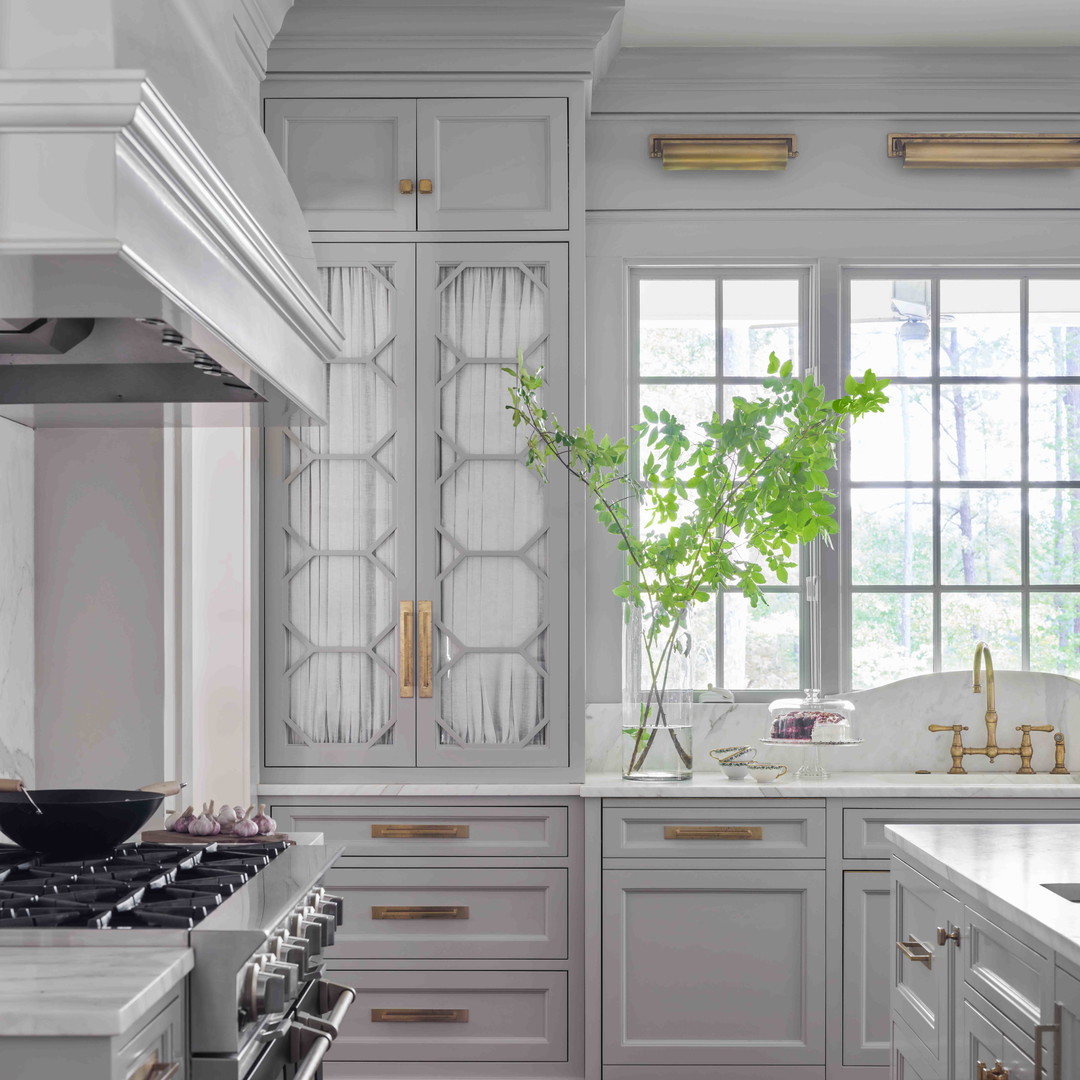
426, 187
998, 1072
405, 187
419, 832
419, 912
944, 935
419, 1016
155, 1069
713, 832
917, 951
423, 633
1040, 1031
406, 674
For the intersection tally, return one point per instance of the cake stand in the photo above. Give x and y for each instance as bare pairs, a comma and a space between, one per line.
812, 767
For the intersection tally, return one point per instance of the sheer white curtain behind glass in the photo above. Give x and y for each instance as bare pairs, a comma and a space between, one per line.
493, 547
342, 503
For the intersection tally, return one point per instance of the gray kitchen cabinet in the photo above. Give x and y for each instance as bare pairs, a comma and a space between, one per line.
1067, 1011
713, 967
986, 1038
868, 953
430, 164
416, 572
910, 1059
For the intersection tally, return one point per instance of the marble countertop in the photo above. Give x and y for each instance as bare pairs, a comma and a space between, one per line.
713, 784
1003, 868
71, 991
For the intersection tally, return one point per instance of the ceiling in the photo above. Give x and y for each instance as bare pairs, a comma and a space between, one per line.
953, 23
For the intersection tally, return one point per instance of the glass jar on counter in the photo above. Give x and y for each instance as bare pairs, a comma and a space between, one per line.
812, 719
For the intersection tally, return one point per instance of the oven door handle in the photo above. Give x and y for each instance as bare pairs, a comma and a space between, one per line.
312, 1036
335, 997
318, 1043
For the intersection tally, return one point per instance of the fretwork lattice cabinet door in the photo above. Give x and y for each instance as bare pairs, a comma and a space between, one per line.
417, 572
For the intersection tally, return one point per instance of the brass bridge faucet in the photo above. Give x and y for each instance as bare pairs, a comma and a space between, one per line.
991, 750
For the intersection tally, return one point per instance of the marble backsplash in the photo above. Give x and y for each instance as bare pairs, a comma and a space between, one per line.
16, 601
894, 721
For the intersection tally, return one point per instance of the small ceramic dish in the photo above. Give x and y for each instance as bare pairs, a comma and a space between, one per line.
758, 768
734, 760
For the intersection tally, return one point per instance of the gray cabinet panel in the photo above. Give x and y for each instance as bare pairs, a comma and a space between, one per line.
868, 950
162, 1041
987, 1037
488, 1016
910, 1058
719, 967
392, 830
713, 831
448, 914
1067, 995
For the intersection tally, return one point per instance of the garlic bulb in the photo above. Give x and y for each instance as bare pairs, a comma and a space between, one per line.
227, 818
246, 826
183, 822
216, 827
171, 819
201, 826
266, 823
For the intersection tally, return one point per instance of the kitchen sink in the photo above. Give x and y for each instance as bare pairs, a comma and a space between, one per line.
1070, 890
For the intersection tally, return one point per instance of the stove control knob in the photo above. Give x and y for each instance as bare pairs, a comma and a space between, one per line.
294, 950
264, 992
327, 922
332, 905
303, 927
288, 971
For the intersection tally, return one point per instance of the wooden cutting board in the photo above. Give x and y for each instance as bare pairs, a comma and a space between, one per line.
164, 836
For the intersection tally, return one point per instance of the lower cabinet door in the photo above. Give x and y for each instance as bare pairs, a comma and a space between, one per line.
910, 1059
987, 1040
714, 967
868, 952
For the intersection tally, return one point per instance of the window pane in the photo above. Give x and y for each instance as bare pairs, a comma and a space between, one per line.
980, 536
892, 637
760, 317
890, 327
678, 328
1054, 539
690, 403
980, 327
1054, 327
895, 444
702, 626
1054, 432
980, 432
968, 618
1055, 633
892, 536
761, 645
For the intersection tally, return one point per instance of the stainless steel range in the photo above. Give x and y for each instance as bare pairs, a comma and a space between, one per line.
256, 916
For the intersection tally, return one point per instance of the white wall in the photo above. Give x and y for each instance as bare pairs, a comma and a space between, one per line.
16, 601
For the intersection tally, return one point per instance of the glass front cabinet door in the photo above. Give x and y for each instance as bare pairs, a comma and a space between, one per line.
416, 570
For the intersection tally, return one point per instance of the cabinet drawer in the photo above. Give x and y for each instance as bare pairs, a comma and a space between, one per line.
392, 830
161, 1041
442, 1016
451, 914
1010, 975
713, 832
864, 830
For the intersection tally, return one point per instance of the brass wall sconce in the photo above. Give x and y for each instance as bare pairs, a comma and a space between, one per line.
723, 152
986, 150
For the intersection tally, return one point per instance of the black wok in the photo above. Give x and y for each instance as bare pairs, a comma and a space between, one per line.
76, 822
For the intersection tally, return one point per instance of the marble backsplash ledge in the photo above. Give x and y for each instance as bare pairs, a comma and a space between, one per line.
893, 721
16, 601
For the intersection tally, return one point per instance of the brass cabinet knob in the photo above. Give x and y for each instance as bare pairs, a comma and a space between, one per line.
405, 187
998, 1072
426, 187
944, 935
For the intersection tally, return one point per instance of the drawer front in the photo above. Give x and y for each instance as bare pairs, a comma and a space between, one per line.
451, 914
713, 832
1011, 976
162, 1041
986, 1036
864, 830
444, 1016
393, 830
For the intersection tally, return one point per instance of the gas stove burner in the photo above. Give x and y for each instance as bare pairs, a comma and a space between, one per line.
13, 911
203, 877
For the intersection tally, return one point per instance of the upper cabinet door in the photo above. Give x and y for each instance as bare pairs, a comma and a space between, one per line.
346, 158
492, 163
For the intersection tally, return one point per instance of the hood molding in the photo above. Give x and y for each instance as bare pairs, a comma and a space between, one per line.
141, 190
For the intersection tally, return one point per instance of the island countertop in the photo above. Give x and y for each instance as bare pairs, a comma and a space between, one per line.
1003, 868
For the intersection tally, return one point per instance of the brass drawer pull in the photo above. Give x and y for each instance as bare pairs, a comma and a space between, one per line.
917, 951
419, 1016
419, 912
713, 832
405, 187
1047, 1029
998, 1072
944, 935
426, 187
423, 634
419, 832
406, 665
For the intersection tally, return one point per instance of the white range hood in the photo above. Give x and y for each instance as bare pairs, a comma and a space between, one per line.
136, 183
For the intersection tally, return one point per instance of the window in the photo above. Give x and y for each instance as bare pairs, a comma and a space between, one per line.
959, 507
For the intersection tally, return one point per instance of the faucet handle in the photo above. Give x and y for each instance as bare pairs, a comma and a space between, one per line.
1035, 727
948, 727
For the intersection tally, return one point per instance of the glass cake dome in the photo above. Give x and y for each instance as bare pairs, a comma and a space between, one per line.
813, 719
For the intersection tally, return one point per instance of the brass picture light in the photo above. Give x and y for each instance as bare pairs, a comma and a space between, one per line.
723, 152
985, 150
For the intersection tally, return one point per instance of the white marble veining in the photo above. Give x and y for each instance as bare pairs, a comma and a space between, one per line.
894, 721
57, 991
1003, 869
16, 601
